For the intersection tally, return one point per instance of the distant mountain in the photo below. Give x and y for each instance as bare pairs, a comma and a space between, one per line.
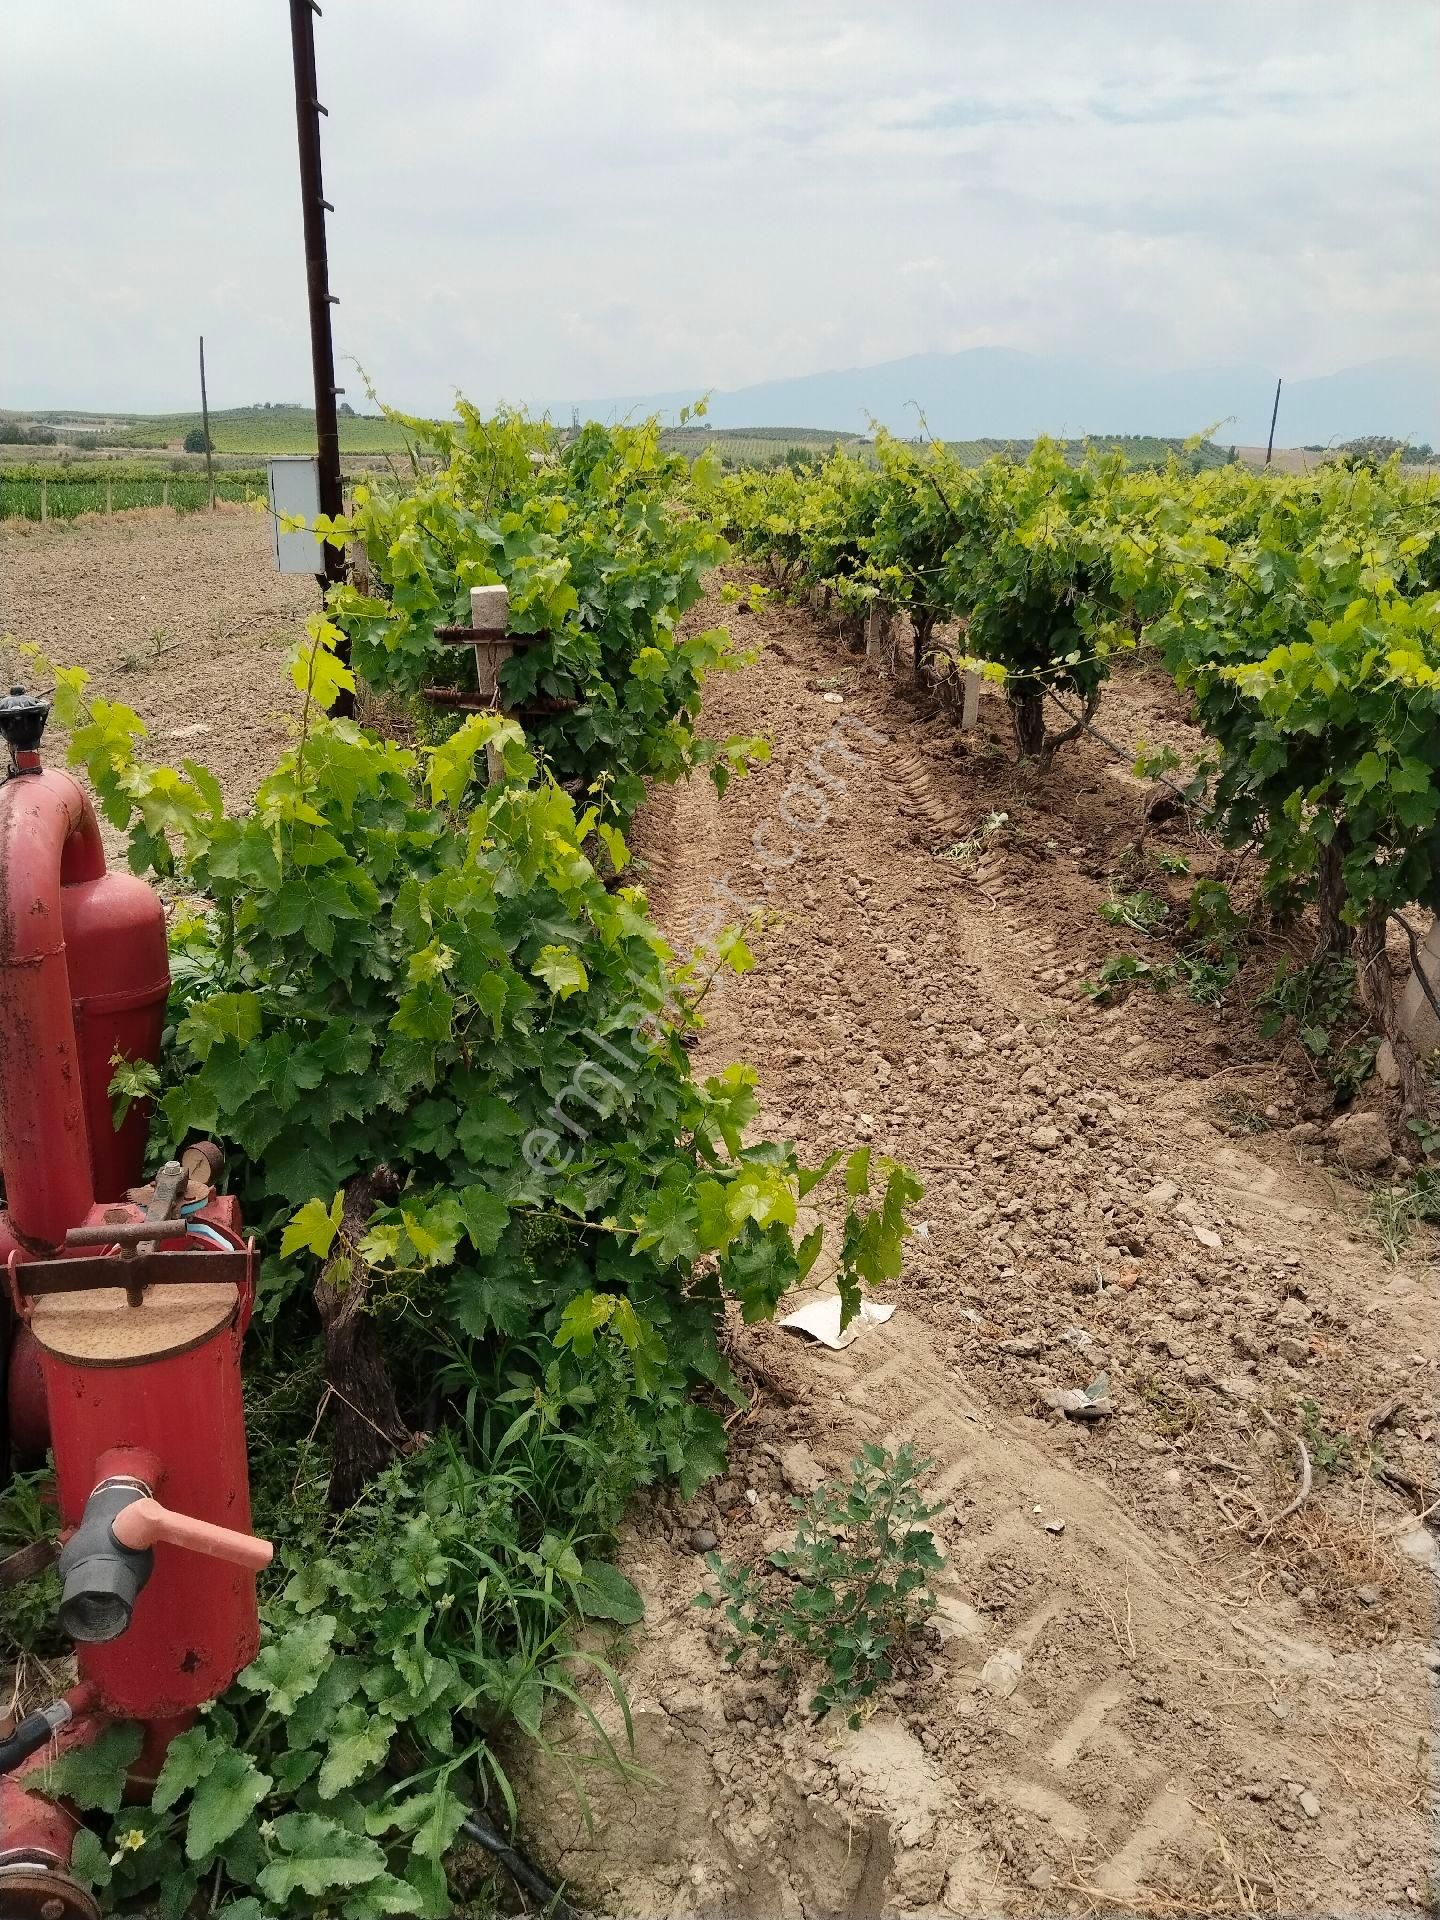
994, 392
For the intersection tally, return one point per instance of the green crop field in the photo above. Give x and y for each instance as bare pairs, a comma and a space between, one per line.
253, 430
70, 491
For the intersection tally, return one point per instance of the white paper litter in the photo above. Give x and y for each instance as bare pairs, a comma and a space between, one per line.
821, 1320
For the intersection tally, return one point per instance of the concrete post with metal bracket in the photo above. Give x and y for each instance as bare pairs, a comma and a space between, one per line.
489, 618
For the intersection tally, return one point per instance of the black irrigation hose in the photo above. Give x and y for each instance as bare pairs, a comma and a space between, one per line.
1420, 975
1114, 745
479, 1829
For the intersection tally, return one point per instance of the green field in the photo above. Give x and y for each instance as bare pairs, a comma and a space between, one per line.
251, 430
71, 491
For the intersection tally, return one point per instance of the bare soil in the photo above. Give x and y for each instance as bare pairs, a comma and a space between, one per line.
1093, 1205
181, 616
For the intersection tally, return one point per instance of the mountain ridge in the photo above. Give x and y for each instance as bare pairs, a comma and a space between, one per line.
1003, 393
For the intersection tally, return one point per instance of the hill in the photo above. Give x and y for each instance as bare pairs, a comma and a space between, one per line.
254, 430
997, 393
764, 446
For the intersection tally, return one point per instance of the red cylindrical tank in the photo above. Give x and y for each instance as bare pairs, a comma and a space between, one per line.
161, 1379
84, 975
119, 981
46, 823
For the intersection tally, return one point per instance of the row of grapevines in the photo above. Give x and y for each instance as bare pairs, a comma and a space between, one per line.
1302, 613
503, 1217
598, 539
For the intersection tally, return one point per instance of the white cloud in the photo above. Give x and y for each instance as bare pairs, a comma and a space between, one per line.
608, 196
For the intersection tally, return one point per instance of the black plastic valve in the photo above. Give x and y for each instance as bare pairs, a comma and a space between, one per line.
101, 1580
22, 723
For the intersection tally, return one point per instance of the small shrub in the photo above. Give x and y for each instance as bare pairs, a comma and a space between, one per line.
1318, 1001
1124, 970
856, 1585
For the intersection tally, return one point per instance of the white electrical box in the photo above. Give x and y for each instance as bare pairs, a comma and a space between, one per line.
295, 490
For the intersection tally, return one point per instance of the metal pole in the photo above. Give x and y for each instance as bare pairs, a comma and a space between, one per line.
1274, 415
205, 419
314, 206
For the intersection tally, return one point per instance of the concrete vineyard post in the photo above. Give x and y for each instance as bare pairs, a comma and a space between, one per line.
969, 699
164, 493
44, 500
1417, 1016
109, 497
489, 617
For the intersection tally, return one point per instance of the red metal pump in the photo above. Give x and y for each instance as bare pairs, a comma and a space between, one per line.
127, 1307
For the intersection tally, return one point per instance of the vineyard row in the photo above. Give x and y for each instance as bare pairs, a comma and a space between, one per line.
1301, 616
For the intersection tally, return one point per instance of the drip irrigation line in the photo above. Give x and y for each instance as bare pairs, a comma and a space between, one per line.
554, 1904
1420, 974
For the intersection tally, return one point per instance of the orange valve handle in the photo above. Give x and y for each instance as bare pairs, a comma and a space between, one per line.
145, 1522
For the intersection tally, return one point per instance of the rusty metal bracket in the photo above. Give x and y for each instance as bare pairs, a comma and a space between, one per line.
184, 1267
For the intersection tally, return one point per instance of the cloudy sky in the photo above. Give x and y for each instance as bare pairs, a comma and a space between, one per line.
598, 197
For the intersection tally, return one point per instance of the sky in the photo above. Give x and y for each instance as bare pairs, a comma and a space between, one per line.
588, 198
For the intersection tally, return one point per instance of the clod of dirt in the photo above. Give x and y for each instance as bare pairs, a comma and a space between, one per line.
1000, 1674
1362, 1140
1046, 1139
1417, 1543
1025, 1346
702, 1540
800, 1470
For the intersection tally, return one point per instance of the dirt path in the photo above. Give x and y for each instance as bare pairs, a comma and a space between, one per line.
1200, 1725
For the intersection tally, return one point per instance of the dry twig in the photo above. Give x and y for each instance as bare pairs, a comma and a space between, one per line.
1307, 1481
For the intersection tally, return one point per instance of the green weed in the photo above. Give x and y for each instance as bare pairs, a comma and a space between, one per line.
1331, 1452
1238, 1113
29, 1611
1396, 1211
1142, 912
1174, 1411
968, 850
855, 1586
1318, 1003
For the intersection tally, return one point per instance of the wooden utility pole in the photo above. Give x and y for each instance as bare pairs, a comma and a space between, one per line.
313, 208
205, 426
1274, 416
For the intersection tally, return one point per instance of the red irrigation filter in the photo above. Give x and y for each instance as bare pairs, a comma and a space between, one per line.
124, 1307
